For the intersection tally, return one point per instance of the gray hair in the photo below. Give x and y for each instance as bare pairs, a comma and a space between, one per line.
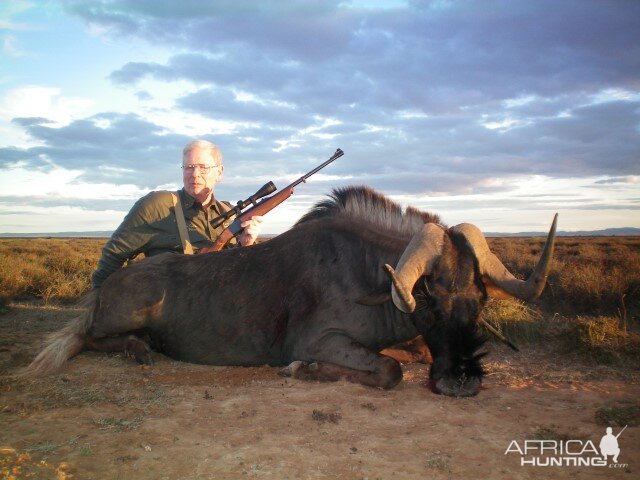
203, 145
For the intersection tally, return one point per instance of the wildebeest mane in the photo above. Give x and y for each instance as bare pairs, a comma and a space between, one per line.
365, 204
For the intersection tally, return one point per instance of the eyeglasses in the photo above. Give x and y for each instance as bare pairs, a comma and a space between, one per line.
203, 168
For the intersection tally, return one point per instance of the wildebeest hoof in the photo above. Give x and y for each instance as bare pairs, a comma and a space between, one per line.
457, 388
291, 369
138, 350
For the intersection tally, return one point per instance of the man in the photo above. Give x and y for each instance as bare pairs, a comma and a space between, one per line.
609, 445
151, 226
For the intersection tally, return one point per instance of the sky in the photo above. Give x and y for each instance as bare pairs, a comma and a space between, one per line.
497, 113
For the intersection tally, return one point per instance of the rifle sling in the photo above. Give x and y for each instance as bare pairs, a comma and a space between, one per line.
182, 226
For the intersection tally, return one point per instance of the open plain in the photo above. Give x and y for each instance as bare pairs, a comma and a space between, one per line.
104, 417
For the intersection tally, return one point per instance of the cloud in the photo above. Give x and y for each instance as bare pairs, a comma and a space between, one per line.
435, 155
122, 148
11, 48
46, 201
224, 103
15, 27
488, 88
628, 180
144, 96
41, 101
483, 52
272, 23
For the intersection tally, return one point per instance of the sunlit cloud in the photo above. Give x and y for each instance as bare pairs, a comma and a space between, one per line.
499, 114
296, 140
61, 183
44, 102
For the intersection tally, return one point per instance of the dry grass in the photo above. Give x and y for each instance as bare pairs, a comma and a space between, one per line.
590, 275
549, 432
118, 424
15, 464
47, 268
591, 305
619, 415
518, 322
322, 417
439, 461
604, 340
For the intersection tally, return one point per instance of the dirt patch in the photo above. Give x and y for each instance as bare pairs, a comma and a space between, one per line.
103, 417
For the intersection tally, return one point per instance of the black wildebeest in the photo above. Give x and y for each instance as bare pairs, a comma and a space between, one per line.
320, 298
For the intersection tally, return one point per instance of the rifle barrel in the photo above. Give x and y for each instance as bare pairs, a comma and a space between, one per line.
303, 178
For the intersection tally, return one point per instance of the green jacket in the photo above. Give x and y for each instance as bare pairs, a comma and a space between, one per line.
150, 227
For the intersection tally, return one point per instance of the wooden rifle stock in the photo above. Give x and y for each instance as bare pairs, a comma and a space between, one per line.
260, 209
263, 207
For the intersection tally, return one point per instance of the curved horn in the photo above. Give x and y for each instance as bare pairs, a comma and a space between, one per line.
416, 260
493, 269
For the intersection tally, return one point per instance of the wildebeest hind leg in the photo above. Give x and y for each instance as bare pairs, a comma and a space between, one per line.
131, 345
118, 315
340, 357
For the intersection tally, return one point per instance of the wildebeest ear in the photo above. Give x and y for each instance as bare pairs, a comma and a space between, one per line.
494, 291
374, 299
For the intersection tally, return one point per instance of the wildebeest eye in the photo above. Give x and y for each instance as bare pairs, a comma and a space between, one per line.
423, 290
423, 296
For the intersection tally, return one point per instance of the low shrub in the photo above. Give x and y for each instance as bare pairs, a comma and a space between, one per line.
604, 340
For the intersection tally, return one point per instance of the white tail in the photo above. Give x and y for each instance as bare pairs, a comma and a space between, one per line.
64, 343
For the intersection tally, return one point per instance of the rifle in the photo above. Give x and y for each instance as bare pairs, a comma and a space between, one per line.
259, 208
625, 427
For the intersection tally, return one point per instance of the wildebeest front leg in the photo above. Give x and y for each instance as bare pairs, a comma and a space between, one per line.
338, 357
131, 345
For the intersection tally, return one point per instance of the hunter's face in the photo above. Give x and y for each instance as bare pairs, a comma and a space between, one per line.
200, 173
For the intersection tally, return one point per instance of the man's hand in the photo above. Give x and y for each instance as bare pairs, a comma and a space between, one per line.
251, 231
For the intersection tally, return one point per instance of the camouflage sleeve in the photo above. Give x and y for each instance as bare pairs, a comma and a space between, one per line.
130, 239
